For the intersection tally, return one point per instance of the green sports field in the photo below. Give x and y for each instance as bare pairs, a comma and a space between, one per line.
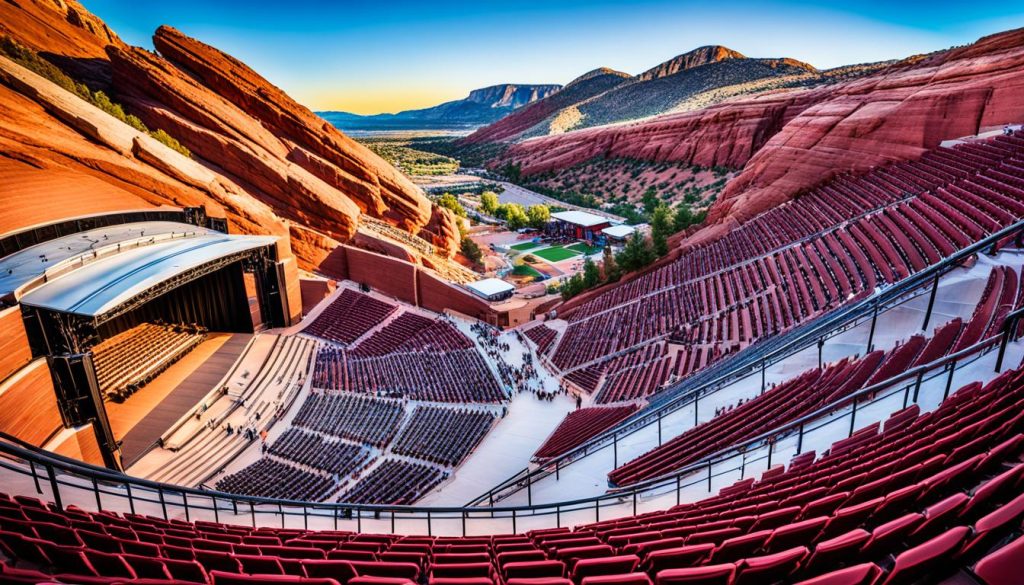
556, 254
585, 249
524, 246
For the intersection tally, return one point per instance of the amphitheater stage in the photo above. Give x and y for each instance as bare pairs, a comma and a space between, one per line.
140, 421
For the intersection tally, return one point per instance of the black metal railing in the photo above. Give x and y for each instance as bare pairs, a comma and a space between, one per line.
757, 357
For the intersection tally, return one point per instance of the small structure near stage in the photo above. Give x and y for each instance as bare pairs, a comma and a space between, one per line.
492, 289
618, 233
578, 225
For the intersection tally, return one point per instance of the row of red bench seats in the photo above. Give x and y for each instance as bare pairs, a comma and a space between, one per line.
734, 302
410, 332
926, 496
349, 316
580, 425
448, 376
816, 388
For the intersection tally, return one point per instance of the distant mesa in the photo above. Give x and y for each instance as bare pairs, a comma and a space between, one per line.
481, 107
695, 79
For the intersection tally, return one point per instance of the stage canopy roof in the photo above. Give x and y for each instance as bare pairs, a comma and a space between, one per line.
98, 287
55, 256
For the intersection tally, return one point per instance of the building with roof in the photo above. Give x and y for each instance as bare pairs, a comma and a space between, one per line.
579, 225
492, 289
618, 233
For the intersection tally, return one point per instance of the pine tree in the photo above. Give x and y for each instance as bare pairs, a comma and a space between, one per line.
661, 229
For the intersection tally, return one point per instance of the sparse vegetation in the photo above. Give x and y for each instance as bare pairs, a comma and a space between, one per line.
403, 154
31, 60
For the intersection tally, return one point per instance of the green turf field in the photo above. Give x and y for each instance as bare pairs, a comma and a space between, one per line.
556, 254
585, 249
524, 270
524, 246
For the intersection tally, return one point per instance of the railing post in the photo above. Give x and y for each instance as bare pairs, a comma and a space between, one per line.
743, 464
54, 486
35, 476
763, 374
634, 502
558, 516
800, 440
949, 380
463, 524
163, 503
679, 488
771, 449
659, 428
96, 492
184, 502
871, 334
252, 513
513, 521
216, 512
931, 302
597, 510
615, 448
280, 511
1004, 342
529, 490
131, 501
430, 525
917, 388
853, 418
821, 347
696, 409
558, 465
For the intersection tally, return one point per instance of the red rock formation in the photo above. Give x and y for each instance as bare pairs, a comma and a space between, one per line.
723, 135
788, 142
258, 156
63, 30
895, 115
315, 145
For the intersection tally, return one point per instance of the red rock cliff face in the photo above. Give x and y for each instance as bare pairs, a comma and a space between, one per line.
260, 157
724, 135
789, 142
313, 144
895, 115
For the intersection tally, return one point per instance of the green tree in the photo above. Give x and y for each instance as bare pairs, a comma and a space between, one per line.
636, 254
451, 202
661, 229
515, 216
684, 217
650, 200
471, 250
573, 286
612, 273
539, 216
489, 202
591, 274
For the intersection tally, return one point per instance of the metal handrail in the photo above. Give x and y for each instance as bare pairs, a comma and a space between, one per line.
105, 481
747, 362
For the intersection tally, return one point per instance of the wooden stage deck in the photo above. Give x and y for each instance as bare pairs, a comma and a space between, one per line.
141, 419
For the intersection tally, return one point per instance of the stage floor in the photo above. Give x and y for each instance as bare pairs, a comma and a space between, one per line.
139, 421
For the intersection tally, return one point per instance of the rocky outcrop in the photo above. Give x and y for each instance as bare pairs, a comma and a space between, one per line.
258, 157
724, 135
63, 156
895, 115
690, 59
518, 123
787, 142
65, 32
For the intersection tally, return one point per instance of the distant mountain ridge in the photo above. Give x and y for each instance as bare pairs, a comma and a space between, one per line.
701, 76
482, 106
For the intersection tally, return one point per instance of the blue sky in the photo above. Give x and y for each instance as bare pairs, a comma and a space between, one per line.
370, 57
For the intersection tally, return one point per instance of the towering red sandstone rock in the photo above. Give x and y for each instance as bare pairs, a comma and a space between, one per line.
788, 142
258, 156
891, 116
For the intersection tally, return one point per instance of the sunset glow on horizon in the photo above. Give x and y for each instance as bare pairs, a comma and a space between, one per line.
367, 58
